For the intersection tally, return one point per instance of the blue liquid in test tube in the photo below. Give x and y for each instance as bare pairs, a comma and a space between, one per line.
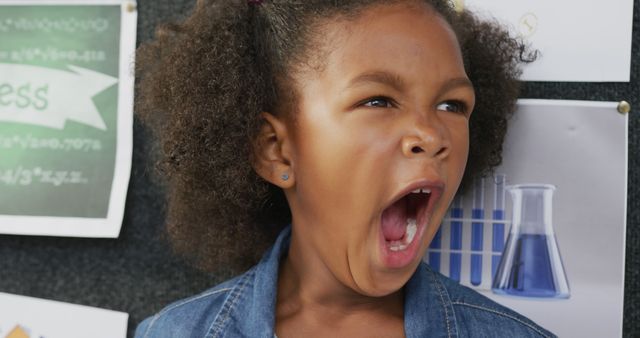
477, 229
455, 258
434, 257
497, 245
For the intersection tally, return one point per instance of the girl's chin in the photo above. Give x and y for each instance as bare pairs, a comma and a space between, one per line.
386, 284
386, 281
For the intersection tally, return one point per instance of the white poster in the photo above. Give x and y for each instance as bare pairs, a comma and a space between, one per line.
545, 235
585, 41
66, 115
26, 317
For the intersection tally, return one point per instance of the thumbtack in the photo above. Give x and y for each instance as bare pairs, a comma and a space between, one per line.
624, 107
131, 7
458, 5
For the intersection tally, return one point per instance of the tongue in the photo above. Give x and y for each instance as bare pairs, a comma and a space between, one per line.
394, 221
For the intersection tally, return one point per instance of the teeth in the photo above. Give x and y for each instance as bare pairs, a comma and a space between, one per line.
424, 191
412, 227
398, 247
410, 233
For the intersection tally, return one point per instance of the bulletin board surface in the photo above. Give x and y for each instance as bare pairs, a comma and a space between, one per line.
137, 273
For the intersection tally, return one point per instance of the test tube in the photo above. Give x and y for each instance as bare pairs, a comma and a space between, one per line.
434, 256
477, 229
497, 245
455, 244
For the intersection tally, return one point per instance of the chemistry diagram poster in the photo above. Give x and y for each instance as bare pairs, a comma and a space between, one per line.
27, 317
578, 40
545, 234
66, 115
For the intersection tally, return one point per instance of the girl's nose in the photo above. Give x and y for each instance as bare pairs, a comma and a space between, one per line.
427, 139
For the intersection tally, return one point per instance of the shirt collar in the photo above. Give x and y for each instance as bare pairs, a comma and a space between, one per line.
427, 308
259, 303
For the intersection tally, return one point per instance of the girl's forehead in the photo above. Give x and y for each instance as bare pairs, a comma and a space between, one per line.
384, 35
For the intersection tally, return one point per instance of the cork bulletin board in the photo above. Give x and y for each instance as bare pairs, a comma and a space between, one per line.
136, 273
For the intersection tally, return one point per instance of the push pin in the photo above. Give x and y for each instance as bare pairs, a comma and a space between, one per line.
131, 7
458, 5
624, 107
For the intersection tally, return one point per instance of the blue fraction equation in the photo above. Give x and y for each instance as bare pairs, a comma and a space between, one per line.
497, 245
477, 229
455, 258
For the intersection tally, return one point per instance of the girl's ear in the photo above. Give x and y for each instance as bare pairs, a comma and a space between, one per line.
272, 151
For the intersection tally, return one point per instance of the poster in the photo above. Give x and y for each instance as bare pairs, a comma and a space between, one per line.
545, 235
584, 41
66, 116
26, 317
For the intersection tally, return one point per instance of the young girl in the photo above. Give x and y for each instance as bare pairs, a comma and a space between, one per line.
342, 128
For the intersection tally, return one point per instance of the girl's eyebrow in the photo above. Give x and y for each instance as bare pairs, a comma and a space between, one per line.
454, 83
396, 82
382, 77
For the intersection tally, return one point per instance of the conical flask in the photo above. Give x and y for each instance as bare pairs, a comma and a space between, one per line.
531, 265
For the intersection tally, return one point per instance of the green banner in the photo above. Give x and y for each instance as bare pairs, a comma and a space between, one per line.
59, 67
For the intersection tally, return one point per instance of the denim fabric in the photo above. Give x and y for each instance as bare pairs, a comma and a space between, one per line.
435, 306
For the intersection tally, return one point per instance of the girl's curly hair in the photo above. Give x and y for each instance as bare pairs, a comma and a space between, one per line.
205, 81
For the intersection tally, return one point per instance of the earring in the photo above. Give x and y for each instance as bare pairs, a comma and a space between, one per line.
285, 176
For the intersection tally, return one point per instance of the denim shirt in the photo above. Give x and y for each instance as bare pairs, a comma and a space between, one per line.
244, 306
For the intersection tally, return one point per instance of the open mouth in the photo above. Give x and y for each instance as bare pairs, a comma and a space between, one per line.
405, 219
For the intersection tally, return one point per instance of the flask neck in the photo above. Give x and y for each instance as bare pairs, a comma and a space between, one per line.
532, 209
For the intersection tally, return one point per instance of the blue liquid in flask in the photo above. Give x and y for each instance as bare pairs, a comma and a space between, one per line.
530, 265
531, 272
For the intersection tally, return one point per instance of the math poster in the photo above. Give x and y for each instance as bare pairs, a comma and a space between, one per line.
577, 40
545, 234
66, 106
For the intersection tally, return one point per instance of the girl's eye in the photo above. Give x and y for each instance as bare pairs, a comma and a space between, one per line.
378, 102
453, 106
